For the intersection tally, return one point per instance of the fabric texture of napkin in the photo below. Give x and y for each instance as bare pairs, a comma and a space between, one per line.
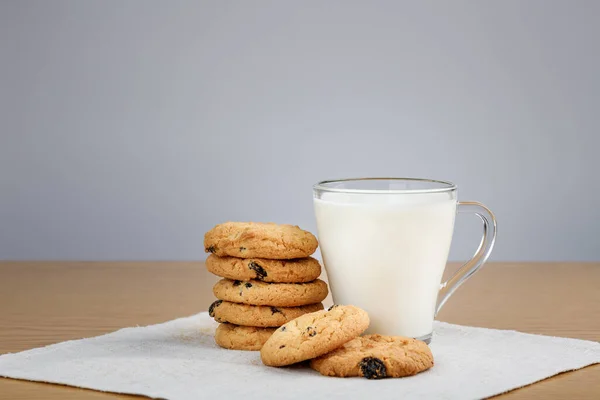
179, 360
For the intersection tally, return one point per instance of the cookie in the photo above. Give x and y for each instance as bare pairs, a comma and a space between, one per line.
375, 357
261, 316
314, 334
281, 271
271, 294
259, 240
236, 337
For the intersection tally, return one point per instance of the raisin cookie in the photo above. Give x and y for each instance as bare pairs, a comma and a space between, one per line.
236, 337
261, 316
271, 294
281, 271
375, 357
314, 334
259, 240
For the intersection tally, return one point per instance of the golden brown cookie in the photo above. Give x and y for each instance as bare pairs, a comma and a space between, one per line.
314, 334
259, 240
281, 271
261, 316
271, 294
375, 357
236, 337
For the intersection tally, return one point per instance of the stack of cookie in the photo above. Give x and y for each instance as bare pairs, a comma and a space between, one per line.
268, 280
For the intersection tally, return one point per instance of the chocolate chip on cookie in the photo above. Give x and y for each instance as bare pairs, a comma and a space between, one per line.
261, 274
211, 309
372, 368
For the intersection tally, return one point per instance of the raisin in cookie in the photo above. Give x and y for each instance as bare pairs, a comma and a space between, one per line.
236, 337
271, 294
259, 240
314, 334
375, 357
261, 316
281, 271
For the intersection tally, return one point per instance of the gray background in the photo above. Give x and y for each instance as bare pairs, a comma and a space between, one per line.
130, 128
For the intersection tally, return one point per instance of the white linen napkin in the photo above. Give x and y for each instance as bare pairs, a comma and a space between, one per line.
179, 360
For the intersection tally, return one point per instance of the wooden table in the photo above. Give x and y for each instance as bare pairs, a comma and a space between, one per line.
49, 302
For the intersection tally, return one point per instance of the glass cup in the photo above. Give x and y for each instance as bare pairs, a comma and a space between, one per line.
385, 244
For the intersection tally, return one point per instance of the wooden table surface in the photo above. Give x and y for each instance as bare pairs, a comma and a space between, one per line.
49, 302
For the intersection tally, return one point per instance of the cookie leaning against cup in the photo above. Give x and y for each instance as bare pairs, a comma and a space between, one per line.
271, 294
281, 271
375, 357
313, 335
259, 240
236, 337
260, 316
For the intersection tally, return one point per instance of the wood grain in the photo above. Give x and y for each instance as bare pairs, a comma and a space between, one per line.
48, 302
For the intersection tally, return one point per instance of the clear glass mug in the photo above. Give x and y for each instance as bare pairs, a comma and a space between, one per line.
385, 245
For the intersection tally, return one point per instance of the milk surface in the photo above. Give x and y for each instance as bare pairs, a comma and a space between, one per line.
386, 254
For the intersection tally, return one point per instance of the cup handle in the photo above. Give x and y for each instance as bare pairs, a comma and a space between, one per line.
481, 255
